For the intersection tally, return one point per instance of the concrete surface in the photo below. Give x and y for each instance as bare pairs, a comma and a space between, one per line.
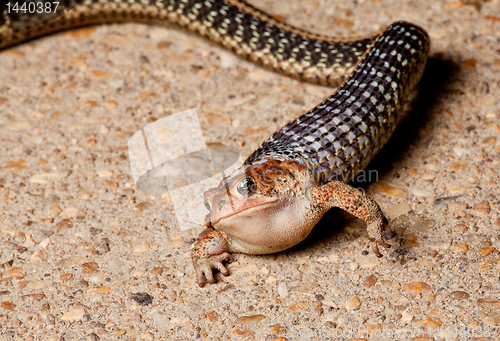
86, 257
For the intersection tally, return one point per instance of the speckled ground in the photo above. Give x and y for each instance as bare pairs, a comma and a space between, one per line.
84, 256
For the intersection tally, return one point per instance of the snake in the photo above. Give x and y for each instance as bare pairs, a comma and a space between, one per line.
335, 139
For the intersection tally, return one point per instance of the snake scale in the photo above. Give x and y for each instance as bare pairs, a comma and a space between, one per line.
292, 178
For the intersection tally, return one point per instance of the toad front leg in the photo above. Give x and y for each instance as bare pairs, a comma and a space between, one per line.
208, 253
341, 195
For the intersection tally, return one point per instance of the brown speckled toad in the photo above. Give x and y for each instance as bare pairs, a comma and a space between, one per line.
271, 207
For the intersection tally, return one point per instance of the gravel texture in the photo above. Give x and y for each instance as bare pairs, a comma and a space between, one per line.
84, 256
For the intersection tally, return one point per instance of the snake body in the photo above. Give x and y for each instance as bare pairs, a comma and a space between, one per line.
335, 139
341, 135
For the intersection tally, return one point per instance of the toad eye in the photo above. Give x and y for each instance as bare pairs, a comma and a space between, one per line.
207, 205
245, 186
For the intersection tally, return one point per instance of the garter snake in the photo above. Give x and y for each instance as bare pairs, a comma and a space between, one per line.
339, 136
